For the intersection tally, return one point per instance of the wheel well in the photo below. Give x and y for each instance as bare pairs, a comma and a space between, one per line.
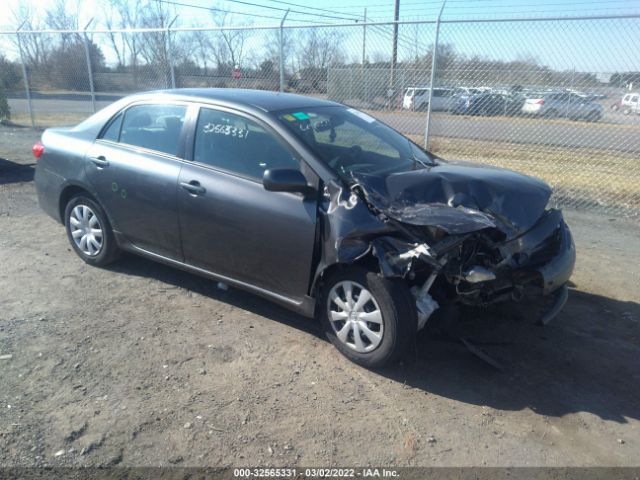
67, 194
367, 262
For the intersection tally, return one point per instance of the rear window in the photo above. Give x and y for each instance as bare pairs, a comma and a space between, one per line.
155, 127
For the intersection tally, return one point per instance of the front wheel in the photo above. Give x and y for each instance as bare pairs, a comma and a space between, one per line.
89, 231
371, 320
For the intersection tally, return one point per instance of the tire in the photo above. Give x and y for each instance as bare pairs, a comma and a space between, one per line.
79, 217
391, 303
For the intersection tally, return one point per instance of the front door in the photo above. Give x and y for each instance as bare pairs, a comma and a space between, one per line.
230, 224
134, 170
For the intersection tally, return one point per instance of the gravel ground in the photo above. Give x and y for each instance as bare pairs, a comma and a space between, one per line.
140, 364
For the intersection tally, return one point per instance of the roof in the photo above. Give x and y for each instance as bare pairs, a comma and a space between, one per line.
262, 99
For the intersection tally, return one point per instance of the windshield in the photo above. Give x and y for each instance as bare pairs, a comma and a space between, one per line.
352, 142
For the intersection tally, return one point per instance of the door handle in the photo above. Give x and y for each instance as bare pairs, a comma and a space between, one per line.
193, 187
100, 161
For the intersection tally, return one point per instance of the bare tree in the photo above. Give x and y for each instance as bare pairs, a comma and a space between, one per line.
320, 48
230, 46
124, 14
34, 47
202, 49
60, 16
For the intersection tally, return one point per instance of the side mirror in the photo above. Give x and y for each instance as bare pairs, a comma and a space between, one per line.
285, 180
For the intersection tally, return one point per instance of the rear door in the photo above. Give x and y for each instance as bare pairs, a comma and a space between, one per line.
230, 224
134, 168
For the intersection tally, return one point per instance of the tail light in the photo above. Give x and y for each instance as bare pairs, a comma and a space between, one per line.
37, 149
539, 101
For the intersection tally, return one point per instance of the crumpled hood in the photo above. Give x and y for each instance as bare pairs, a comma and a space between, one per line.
459, 197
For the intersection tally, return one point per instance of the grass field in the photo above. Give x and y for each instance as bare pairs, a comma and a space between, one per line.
581, 177
44, 120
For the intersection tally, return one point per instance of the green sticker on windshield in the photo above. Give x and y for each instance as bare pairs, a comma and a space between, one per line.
301, 116
290, 118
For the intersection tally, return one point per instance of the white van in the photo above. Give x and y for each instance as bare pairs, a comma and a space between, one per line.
417, 98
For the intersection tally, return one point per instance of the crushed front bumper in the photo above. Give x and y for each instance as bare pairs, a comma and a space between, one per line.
546, 249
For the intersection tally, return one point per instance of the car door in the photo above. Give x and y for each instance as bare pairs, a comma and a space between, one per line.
230, 224
133, 167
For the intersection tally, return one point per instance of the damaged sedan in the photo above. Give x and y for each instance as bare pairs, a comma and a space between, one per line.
309, 203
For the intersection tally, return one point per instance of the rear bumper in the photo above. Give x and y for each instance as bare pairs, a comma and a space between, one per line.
531, 108
48, 187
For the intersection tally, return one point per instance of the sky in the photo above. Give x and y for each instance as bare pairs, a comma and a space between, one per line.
377, 10
581, 45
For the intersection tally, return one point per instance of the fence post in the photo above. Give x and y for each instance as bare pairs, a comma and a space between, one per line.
169, 53
281, 51
433, 76
89, 70
26, 78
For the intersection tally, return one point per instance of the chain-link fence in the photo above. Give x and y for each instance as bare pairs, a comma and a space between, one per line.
555, 98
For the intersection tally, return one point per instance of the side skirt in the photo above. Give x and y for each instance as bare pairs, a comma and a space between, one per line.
305, 307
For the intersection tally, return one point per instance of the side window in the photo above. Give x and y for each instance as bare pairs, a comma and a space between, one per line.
156, 127
239, 145
112, 132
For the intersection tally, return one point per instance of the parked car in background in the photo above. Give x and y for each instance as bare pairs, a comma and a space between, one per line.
466, 91
630, 103
626, 103
417, 98
489, 104
562, 105
309, 203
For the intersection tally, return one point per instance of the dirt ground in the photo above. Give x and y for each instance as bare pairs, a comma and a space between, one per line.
140, 364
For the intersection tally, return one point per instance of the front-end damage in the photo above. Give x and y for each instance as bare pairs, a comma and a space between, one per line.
452, 249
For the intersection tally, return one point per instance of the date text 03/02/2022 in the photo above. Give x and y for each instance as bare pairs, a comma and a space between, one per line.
315, 473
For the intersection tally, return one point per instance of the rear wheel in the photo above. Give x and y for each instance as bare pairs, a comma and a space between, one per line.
371, 320
89, 231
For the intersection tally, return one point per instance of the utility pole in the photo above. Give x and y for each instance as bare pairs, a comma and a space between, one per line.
394, 53
281, 50
364, 38
364, 57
